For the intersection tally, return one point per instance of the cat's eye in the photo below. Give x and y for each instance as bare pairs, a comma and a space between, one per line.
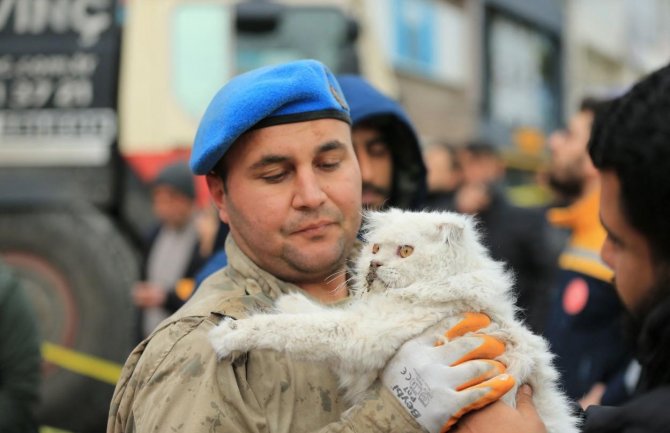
405, 251
375, 248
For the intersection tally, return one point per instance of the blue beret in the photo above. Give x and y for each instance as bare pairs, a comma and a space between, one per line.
291, 92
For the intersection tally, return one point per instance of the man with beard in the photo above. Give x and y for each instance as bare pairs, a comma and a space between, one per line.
444, 175
630, 147
584, 321
515, 235
387, 148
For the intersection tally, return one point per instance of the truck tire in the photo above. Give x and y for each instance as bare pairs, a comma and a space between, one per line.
77, 269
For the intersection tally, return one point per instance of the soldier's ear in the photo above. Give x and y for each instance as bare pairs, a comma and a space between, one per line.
217, 192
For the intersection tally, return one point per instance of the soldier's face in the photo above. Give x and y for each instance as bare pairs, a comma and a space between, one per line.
292, 198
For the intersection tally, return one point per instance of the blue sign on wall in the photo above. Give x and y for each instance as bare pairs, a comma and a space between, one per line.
414, 22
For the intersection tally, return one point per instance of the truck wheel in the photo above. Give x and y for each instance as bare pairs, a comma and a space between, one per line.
77, 269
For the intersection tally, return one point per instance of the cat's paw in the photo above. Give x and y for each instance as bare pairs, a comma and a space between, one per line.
228, 340
295, 303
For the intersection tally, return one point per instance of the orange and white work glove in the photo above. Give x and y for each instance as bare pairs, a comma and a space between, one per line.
438, 382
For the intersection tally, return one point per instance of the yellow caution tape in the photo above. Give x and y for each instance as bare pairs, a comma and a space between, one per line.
47, 429
86, 365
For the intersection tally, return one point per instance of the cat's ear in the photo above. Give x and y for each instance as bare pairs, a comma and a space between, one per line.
450, 232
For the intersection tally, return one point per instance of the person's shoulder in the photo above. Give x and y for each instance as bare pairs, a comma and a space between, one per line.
218, 298
644, 413
152, 390
166, 352
8, 282
173, 333
222, 295
15, 306
529, 213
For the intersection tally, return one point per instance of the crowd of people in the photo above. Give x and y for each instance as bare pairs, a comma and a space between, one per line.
289, 176
292, 155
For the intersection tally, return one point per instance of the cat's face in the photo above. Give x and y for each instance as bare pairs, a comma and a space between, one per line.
404, 247
390, 263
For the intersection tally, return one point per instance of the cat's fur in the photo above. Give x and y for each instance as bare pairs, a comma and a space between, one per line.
448, 272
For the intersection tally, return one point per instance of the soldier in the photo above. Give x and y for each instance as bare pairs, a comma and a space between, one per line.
275, 145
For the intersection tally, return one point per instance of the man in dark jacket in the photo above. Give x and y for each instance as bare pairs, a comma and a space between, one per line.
386, 146
515, 235
173, 251
19, 357
630, 147
584, 324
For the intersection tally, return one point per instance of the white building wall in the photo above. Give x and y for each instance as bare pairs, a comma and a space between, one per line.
611, 44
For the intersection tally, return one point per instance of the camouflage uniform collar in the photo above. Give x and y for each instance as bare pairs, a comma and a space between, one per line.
256, 280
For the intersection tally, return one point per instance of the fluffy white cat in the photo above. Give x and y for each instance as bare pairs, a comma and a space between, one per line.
415, 270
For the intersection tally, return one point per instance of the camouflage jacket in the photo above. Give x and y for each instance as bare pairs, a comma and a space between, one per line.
173, 382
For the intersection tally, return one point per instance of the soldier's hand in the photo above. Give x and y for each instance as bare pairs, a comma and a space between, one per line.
440, 382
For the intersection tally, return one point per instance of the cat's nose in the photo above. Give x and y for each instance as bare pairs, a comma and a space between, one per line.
375, 264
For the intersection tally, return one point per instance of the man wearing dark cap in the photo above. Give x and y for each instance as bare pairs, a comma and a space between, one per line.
172, 250
516, 235
275, 145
